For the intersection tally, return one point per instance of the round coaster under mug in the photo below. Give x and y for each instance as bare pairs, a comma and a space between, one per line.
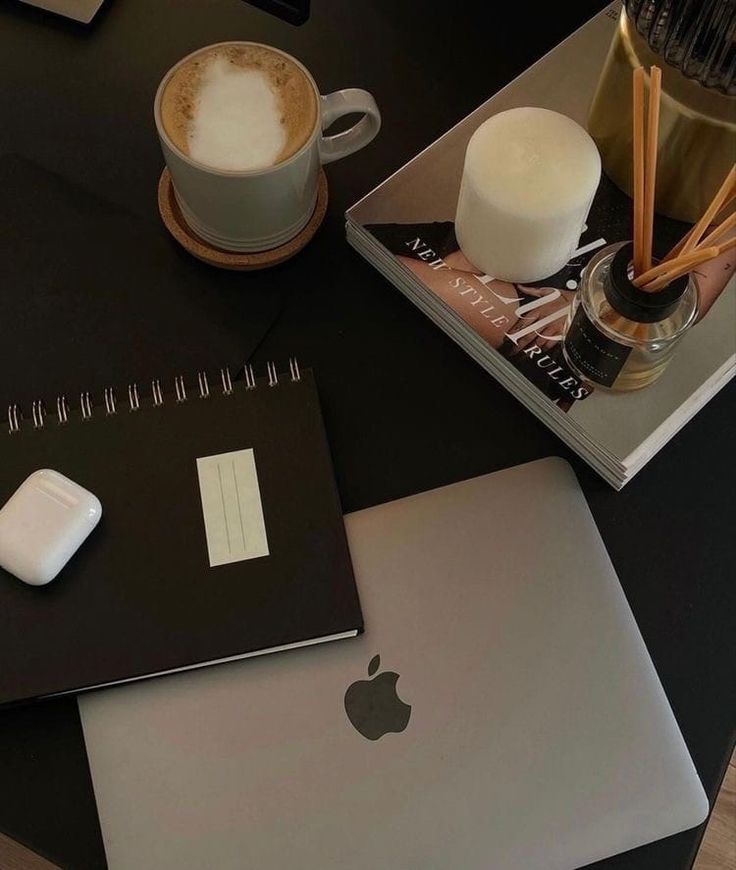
197, 247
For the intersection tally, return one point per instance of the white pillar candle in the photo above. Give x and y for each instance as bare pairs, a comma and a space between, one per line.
528, 183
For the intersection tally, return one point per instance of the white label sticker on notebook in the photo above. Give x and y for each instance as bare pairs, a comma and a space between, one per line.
231, 505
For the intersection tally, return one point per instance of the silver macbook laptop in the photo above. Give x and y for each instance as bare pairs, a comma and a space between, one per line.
501, 711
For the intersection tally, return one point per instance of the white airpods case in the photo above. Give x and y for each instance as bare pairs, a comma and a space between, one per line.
43, 524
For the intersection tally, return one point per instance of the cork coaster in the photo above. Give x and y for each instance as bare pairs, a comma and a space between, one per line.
177, 226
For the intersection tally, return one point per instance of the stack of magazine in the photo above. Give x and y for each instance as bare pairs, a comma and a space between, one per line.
405, 228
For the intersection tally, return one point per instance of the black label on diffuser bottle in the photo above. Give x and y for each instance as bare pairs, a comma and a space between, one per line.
592, 353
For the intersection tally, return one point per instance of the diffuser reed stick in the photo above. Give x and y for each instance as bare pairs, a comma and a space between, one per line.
725, 192
702, 255
638, 159
721, 230
679, 246
650, 164
663, 268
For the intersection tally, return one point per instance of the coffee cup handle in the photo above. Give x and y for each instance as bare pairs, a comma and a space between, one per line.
347, 102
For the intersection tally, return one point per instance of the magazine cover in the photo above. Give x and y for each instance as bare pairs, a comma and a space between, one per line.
410, 218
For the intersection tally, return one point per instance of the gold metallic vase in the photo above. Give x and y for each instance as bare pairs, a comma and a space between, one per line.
697, 132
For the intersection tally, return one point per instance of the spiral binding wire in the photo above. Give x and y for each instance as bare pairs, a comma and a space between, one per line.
111, 405
181, 389
250, 378
62, 409
38, 414
133, 399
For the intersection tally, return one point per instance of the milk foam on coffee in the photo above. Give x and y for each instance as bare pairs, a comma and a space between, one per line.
239, 107
236, 123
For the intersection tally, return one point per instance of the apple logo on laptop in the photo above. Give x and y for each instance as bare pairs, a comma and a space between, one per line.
373, 707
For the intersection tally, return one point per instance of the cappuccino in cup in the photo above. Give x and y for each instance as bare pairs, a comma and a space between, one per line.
239, 107
240, 126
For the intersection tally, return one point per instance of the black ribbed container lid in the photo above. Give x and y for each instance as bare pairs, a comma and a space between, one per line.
697, 37
636, 304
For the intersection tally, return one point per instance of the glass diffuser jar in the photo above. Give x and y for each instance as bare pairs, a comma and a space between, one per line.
618, 336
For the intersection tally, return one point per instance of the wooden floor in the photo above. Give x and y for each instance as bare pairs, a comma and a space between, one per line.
718, 851
13, 856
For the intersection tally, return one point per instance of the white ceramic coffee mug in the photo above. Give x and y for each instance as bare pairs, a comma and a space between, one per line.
260, 209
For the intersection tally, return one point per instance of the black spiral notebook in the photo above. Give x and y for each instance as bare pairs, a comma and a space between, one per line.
221, 534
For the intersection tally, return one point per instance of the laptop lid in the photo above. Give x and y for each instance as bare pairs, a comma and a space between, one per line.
513, 720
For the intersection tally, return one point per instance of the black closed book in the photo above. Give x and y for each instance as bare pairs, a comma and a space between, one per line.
221, 534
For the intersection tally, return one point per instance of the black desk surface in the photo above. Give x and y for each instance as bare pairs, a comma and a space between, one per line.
405, 409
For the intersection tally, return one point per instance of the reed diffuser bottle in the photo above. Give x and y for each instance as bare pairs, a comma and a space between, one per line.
619, 336
629, 312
